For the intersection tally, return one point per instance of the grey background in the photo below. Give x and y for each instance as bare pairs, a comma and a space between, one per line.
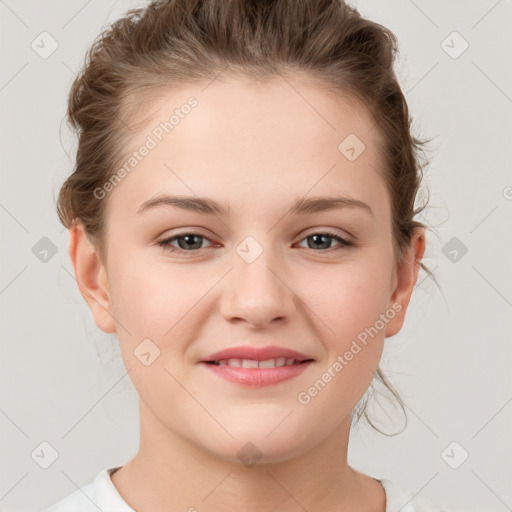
62, 381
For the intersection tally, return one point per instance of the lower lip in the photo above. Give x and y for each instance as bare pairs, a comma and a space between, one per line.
257, 377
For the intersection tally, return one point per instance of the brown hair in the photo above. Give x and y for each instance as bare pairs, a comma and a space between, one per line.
173, 42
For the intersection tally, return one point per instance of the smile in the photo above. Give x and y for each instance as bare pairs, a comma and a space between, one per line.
254, 373
251, 363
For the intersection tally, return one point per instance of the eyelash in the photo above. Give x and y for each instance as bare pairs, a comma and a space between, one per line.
165, 244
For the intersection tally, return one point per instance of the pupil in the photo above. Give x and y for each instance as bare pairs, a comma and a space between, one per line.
188, 243
316, 237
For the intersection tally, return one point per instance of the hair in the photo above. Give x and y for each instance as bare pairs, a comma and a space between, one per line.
171, 43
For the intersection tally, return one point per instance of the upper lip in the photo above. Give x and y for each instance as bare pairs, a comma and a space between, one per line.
256, 353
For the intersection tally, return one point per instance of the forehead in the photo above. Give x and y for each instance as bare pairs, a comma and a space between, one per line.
234, 110
247, 136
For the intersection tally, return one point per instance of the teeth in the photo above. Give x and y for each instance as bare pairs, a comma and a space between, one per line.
251, 363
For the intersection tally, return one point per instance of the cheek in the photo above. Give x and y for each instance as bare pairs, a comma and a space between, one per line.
151, 303
353, 339
351, 302
150, 299
347, 299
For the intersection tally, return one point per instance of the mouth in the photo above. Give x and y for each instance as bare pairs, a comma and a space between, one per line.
257, 366
254, 363
248, 356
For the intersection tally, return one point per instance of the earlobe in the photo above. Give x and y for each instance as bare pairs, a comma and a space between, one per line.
405, 279
91, 277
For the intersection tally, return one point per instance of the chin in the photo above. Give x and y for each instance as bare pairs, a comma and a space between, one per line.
254, 446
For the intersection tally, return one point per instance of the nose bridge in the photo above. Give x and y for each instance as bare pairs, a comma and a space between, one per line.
257, 292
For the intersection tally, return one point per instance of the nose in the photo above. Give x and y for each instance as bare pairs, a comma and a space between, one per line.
257, 292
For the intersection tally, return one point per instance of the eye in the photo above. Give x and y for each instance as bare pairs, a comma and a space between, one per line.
190, 239
192, 242
324, 239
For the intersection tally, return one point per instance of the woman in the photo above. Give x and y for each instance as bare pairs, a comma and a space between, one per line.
241, 215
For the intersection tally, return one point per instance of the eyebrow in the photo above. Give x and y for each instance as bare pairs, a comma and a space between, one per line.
208, 206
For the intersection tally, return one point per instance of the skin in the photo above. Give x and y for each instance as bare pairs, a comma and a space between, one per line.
254, 148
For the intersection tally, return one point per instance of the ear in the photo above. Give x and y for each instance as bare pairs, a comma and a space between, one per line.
404, 279
91, 277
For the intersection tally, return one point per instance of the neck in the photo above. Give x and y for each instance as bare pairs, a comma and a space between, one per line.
171, 473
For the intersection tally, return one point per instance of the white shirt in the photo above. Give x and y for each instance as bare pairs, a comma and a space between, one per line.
103, 495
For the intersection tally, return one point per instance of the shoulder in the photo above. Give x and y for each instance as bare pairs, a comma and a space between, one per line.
100, 494
81, 500
400, 499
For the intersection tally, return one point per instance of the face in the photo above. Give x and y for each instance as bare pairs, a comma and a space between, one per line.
182, 283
